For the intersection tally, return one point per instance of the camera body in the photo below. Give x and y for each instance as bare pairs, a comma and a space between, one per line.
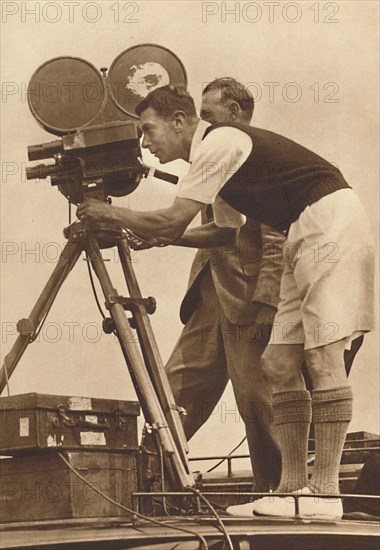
96, 161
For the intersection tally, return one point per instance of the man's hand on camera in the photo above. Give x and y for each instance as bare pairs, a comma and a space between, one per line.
94, 209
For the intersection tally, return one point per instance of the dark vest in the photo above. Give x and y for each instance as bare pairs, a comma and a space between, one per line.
278, 179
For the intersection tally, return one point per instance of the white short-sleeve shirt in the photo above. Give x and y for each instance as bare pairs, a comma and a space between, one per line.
214, 160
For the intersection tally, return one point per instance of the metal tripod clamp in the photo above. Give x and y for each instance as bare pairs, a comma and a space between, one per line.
25, 327
131, 303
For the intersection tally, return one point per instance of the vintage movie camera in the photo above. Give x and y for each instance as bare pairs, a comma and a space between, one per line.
98, 153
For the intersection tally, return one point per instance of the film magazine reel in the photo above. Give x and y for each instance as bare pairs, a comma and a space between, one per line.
67, 93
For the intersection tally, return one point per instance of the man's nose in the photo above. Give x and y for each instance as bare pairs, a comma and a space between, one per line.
145, 142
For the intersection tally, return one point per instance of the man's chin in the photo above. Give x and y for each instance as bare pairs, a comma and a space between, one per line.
164, 159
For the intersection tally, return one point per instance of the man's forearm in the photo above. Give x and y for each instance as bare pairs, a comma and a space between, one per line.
208, 235
164, 225
152, 224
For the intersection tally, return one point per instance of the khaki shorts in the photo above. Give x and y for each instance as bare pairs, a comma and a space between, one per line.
327, 287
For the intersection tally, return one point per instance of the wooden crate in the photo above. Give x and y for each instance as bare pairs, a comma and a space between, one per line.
43, 487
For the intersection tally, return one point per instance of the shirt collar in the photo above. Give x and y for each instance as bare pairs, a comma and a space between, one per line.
197, 137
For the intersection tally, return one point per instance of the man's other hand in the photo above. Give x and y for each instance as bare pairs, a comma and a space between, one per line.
264, 320
137, 243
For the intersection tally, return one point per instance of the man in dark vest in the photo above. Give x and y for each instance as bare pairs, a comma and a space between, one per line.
327, 287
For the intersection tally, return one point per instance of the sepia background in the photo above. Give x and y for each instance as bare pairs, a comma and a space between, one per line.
313, 68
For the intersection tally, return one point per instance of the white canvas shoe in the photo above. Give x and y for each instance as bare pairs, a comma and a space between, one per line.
285, 507
242, 510
319, 507
266, 506
275, 506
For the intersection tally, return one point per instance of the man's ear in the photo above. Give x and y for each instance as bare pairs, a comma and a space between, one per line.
234, 108
179, 120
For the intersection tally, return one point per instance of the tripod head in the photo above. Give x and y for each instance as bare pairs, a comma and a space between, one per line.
98, 153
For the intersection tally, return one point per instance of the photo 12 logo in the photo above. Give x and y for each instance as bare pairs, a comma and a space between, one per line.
270, 12
70, 12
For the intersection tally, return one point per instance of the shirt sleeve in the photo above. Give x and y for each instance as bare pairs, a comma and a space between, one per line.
220, 154
225, 215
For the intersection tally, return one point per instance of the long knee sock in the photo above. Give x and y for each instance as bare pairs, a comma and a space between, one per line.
292, 416
332, 412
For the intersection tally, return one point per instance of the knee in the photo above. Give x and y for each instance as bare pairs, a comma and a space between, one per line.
317, 362
325, 358
281, 366
273, 367
326, 364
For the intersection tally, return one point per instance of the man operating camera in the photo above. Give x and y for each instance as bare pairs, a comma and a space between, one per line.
228, 311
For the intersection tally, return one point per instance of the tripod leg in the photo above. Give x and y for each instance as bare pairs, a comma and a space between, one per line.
150, 403
66, 262
152, 355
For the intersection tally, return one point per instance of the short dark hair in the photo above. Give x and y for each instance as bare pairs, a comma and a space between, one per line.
167, 100
232, 89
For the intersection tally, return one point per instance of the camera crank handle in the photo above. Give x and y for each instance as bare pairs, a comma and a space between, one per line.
170, 178
150, 171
